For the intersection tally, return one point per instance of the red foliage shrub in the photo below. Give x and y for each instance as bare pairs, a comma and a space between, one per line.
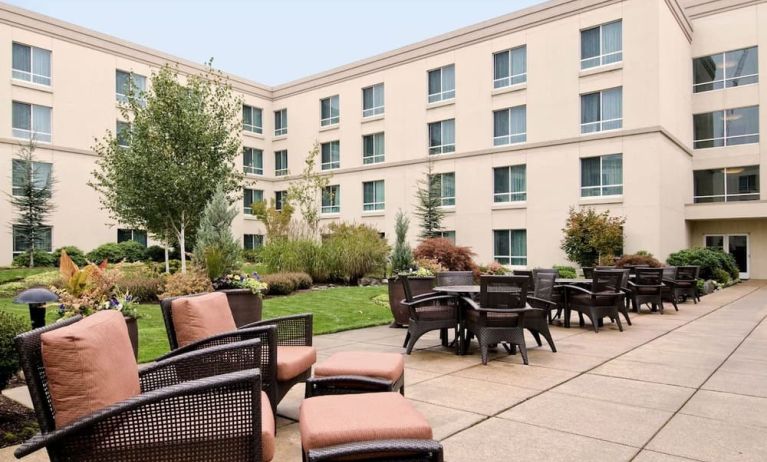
449, 255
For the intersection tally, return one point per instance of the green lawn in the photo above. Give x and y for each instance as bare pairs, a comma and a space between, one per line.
335, 309
17, 274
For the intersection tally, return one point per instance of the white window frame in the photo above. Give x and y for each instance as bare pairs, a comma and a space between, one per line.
374, 158
601, 122
335, 202
331, 120
601, 185
442, 148
505, 82
283, 128
123, 98
445, 234
331, 164
375, 206
15, 252
508, 197
602, 55
252, 169
443, 94
279, 203
30, 76
510, 257
442, 197
254, 238
725, 196
725, 137
281, 171
249, 210
725, 79
511, 138
35, 179
375, 110
33, 134
253, 128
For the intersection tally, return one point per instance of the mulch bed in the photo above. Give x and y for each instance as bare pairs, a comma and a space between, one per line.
17, 423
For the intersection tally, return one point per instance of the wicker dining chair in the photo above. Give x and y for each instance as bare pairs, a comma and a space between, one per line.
685, 283
530, 278
647, 287
537, 322
455, 278
623, 303
199, 406
429, 312
669, 275
499, 316
600, 301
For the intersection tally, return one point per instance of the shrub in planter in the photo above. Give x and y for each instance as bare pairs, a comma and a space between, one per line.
449, 255
638, 259
10, 327
567, 272
191, 282
493, 269
707, 259
279, 283
77, 255
42, 258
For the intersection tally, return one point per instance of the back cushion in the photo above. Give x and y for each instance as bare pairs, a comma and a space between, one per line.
199, 317
89, 365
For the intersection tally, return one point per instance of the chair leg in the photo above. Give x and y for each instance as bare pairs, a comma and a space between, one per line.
626, 315
483, 350
443, 337
594, 318
407, 338
547, 335
618, 321
537, 337
522, 347
414, 338
660, 306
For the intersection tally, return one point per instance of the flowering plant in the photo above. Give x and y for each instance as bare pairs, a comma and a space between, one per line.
494, 268
124, 303
251, 282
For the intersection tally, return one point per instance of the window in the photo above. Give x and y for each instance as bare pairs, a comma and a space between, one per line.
31, 122
602, 45
602, 110
21, 243
731, 184
31, 64
723, 70
373, 148
250, 197
331, 155
373, 195
510, 183
252, 241
449, 235
127, 83
373, 100
253, 161
726, 128
329, 111
602, 176
331, 199
40, 173
136, 235
510, 126
122, 133
442, 137
443, 186
281, 122
510, 246
252, 119
281, 162
510, 67
280, 199
442, 84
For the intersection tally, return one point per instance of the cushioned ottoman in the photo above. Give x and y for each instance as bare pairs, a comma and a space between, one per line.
357, 372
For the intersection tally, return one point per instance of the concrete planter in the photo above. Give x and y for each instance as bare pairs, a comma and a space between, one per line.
400, 312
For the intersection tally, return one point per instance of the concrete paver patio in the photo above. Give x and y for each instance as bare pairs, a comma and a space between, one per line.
687, 385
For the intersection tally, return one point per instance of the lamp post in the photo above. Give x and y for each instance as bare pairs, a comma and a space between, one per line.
36, 299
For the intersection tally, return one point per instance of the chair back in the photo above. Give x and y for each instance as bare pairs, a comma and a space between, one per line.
625, 278
588, 272
669, 272
607, 280
503, 291
633, 268
406, 288
166, 305
649, 276
30, 355
455, 278
529, 274
687, 273
544, 285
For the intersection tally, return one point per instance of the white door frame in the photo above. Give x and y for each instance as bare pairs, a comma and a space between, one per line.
726, 248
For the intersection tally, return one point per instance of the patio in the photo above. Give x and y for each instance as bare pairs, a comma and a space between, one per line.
684, 385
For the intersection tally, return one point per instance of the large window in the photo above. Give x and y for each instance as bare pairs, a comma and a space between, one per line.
137, 235
602, 176
731, 184
510, 126
331, 155
253, 161
127, 83
250, 197
31, 64
280, 199
510, 184
510, 246
449, 235
122, 133
31, 122
726, 128
442, 137
373, 100
373, 148
21, 243
510, 67
443, 186
331, 199
373, 195
602, 110
281, 162
330, 111
442, 84
281, 122
723, 70
602, 45
40, 173
252, 241
252, 119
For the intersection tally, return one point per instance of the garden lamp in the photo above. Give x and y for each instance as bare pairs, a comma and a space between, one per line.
36, 299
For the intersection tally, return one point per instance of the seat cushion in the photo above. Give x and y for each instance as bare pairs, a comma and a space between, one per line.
338, 419
199, 317
267, 429
494, 319
89, 365
387, 366
294, 360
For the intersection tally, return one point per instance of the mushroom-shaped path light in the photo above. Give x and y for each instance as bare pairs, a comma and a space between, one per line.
36, 299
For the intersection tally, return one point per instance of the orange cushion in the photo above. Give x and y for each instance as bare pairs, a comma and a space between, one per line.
199, 317
338, 419
293, 360
267, 429
89, 365
388, 366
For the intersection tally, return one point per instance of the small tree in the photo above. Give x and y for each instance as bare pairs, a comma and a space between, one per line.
276, 222
216, 247
32, 191
402, 255
306, 192
591, 237
428, 208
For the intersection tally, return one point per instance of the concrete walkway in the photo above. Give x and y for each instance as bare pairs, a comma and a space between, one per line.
687, 385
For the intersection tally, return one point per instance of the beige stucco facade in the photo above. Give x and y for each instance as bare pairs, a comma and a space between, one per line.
660, 38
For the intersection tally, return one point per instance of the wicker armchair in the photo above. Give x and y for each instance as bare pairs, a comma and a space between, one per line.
499, 316
197, 406
599, 302
537, 322
685, 283
647, 287
455, 278
669, 275
428, 312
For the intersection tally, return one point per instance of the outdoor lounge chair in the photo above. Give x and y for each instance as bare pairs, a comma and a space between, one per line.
429, 312
598, 302
647, 287
537, 322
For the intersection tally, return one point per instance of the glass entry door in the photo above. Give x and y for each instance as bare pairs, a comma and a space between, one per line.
736, 245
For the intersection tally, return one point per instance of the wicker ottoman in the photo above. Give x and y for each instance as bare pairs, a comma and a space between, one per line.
365, 426
357, 372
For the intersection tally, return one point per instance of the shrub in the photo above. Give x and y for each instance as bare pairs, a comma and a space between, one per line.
279, 283
10, 327
707, 259
155, 253
567, 272
302, 281
42, 258
351, 251
252, 255
494, 269
215, 247
591, 237
191, 282
428, 267
159, 267
46, 279
402, 255
132, 251
449, 255
139, 281
10, 289
77, 255
721, 276
111, 252
638, 259
296, 255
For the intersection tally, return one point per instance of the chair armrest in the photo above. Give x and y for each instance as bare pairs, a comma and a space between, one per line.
207, 362
470, 301
541, 303
431, 449
577, 288
293, 330
178, 411
426, 300
506, 310
426, 295
221, 339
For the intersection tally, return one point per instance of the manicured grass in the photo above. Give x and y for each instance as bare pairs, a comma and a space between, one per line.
335, 309
17, 274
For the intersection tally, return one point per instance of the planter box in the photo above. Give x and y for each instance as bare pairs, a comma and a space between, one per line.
132, 324
246, 306
400, 312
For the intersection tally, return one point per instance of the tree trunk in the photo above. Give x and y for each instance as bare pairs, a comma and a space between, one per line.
182, 244
167, 261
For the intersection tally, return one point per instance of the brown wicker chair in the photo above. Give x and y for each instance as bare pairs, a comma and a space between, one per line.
623, 303
429, 312
499, 316
599, 302
199, 406
647, 287
455, 278
530, 278
685, 283
537, 322
669, 275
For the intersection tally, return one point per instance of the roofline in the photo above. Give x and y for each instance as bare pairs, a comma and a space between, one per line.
701, 8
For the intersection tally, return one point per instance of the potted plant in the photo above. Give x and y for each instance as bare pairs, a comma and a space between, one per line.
244, 293
128, 306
